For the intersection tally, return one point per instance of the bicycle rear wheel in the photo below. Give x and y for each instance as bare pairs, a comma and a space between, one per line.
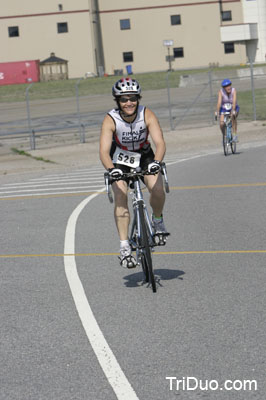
146, 259
225, 145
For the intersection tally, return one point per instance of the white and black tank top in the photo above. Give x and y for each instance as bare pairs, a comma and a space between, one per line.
130, 136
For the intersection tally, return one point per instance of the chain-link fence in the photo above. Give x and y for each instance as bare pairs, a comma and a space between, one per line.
194, 101
189, 103
40, 122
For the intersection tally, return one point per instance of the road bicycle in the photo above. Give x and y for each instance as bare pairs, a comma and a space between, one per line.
227, 136
142, 237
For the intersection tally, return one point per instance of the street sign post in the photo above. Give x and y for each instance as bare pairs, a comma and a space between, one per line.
168, 43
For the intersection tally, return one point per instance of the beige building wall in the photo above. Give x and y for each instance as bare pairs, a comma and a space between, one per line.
31, 7
38, 35
198, 34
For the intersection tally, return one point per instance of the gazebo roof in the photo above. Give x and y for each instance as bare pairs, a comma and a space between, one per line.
53, 59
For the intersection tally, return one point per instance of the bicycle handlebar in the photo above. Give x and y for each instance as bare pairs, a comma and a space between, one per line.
135, 173
138, 172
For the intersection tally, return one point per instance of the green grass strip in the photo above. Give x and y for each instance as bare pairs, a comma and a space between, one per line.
24, 153
101, 85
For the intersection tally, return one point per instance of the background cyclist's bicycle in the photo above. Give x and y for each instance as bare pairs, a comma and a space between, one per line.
227, 137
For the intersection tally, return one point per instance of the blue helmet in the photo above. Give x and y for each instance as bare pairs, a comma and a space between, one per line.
226, 82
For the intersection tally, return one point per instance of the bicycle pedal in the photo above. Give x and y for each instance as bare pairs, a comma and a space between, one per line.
128, 262
131, 265
162, 234
160, 238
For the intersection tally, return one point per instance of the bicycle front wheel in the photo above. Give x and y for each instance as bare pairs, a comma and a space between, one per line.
225, 145
233, 147
146, 259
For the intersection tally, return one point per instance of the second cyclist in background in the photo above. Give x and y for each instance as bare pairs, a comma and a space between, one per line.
227, 102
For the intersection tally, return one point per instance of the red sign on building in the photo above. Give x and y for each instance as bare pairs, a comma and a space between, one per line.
19, 72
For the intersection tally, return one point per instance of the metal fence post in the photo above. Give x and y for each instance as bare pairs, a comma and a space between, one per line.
82, 134
32, 140
78, 109
211, 96
169, 102
28, 107
252, 90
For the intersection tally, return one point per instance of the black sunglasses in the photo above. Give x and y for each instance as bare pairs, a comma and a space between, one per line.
126, 99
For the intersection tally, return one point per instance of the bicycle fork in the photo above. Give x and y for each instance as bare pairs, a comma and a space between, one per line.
229, 134
135, 236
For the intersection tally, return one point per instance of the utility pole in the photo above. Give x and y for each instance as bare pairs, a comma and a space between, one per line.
169, 58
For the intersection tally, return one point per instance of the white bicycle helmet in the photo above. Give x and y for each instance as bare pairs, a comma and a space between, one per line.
126, 86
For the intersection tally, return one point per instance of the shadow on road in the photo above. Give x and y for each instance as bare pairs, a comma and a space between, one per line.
136, 279
231, 154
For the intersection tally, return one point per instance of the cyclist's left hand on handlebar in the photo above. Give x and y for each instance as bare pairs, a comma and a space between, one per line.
154, 167
115, 173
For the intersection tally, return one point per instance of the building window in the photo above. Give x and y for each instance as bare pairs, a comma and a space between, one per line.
229, 47
124, 24
128, 56
13, 31
60, 7
62, 27
226, 16
178, 52
175, 20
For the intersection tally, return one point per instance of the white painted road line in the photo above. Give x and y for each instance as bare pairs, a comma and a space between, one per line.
55, 183
67, 176
36, 195
104, 354
43, 190
78, 172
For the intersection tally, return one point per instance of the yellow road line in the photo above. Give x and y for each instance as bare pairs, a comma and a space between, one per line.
212, 252
116, 254
232, 185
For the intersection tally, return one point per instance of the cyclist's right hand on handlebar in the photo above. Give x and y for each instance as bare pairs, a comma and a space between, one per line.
115, 173
154, 167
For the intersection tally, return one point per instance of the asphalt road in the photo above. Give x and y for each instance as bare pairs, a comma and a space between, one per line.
206, 322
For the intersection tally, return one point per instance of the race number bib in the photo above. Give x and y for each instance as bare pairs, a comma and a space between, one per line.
228, 106
126, 157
